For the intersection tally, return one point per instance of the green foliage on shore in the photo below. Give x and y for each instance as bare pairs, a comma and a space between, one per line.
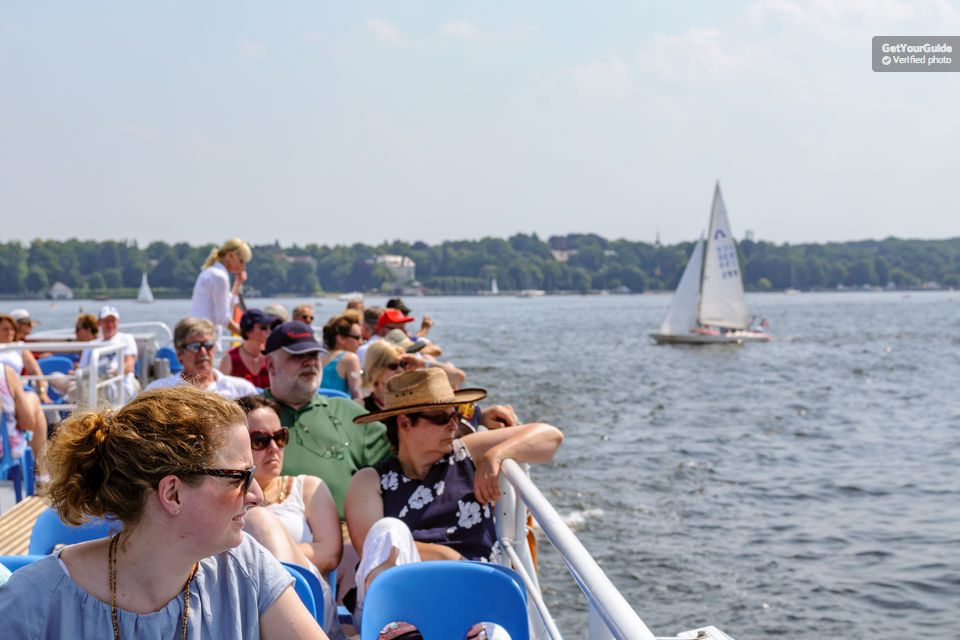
575, 262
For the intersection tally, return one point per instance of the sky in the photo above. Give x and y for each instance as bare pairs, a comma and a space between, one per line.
342, 122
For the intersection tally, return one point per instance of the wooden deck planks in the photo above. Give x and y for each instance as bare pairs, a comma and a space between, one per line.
17, 523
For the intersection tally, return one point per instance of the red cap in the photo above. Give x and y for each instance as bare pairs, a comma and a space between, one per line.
392, 316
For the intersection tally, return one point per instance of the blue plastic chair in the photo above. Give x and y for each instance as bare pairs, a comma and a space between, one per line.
302, 587
332, 393
50, 531
171, 355
15, 469
55, 364
315, 589
444, 599
18, 562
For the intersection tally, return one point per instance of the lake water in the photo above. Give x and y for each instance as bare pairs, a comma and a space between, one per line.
808, 487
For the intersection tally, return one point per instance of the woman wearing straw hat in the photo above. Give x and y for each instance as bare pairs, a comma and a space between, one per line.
432, 499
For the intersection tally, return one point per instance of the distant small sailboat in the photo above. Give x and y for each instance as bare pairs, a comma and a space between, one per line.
145, 295
530, 293
709, 305
493, 291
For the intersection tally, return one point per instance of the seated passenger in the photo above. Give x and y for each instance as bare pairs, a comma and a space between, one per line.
87, 329
297, 520
432, 499
303, 313
18, 360
174, 467
342, 336
193, 339
246, 360
19, 414
110, 365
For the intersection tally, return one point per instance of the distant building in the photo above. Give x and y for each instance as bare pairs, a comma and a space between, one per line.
402, 268
562, 255
60, 291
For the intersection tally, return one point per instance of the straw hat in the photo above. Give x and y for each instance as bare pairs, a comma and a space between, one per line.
421, 390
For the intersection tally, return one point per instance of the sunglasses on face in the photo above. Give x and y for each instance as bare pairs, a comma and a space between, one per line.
260, 440
245, 476
194, 347
438, 418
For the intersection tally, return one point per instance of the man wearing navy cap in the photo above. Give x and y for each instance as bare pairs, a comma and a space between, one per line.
324, 441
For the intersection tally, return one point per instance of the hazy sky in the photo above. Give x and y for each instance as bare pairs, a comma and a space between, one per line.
342, 122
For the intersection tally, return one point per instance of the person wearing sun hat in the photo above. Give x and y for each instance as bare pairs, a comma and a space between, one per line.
432, 500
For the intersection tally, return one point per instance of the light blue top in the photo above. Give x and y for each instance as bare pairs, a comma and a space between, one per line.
229, 593
331, 378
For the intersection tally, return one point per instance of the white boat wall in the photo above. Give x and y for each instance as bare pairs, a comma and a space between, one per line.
709, 305
145, 294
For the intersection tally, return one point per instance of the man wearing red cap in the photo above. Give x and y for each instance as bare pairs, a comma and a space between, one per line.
389, 320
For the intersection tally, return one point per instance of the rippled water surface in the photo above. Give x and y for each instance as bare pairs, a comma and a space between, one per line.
808, 487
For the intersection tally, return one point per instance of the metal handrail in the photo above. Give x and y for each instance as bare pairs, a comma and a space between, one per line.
97, 348
615, 612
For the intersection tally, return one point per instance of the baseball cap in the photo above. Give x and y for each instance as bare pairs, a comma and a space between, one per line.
107, 311
22, 315
392, 316
255, 316
397, 303
292, 337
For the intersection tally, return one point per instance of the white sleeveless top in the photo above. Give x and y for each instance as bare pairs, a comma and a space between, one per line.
293, 514
13, 359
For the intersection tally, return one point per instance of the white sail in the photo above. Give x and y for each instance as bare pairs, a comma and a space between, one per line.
682, 316
722, 303
145, 294
494, 289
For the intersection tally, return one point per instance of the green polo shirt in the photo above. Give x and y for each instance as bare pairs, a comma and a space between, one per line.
324, 442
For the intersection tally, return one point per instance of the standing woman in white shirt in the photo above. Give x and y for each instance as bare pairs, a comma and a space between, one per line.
213, 297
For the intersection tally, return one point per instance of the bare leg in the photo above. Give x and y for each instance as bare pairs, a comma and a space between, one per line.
38, 442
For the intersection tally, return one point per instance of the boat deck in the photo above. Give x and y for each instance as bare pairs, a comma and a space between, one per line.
17, 523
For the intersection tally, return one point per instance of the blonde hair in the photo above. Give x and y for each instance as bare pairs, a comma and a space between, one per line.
231, 245
104, 462
380, 355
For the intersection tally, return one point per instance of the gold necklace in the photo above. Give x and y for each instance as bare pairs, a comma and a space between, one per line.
281, 494
112, 562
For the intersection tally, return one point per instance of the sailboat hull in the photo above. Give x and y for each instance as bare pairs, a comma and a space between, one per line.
734, 337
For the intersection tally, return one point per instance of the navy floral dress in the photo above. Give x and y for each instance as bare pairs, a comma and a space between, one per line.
441, 508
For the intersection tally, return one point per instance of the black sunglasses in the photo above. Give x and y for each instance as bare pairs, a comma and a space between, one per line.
194, 347
260, 440
244, 475
439, 419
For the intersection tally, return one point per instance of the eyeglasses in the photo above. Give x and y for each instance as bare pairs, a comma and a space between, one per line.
354, 336
260, 440
439, 419
194, 347
264, 327
243, 475
393, 366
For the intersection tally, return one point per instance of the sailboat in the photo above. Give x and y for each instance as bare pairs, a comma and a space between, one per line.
709, 305
145, 295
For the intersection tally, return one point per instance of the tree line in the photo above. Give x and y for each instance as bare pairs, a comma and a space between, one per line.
571, 263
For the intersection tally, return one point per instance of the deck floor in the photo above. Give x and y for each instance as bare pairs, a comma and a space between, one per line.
17, 523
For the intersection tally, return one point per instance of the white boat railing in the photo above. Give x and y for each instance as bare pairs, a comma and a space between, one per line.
615, 612
611, 616
89, 380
